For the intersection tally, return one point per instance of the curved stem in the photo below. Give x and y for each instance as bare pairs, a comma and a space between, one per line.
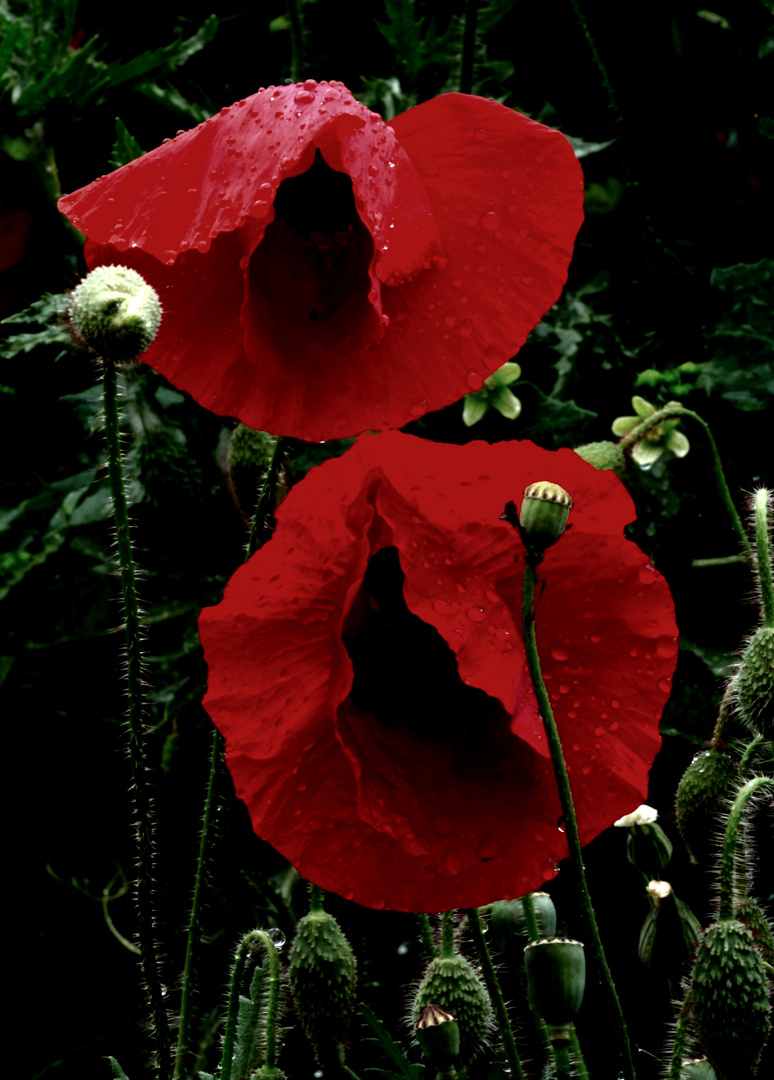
597, 59
678, 1047
237, 974
728, 858
184, 1032
495, 993
761, 508
673, 408
577, 1055
568, 809
146, 916
749, 751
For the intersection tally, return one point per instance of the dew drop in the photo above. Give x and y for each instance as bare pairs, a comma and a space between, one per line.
418, 408
450, 318
475, 381
490, 221
441, 606
665, 685
526, 279
599, 731
452, 862
476, 614
277, 937
595, 639
559, 654
480, 135
433, 168
666, 646
466, 328
647, 575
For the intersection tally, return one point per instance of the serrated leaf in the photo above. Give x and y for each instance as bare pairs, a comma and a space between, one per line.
48, 314
125, 148
148, 66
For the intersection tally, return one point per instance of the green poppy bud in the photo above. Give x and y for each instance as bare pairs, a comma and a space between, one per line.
730, 999
698, 1069
438, 1035
556, 977
322, 979
705, 791
544, 512
115, 312
452, 984
750, 913
670, 931
754, 683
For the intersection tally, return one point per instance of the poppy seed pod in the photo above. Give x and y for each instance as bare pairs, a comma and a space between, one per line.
115, 312
509, 924
556, 977
322, 979
438, 1035
544, 512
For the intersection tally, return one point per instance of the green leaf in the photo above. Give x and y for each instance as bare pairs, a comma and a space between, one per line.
125, 148
391, 1049
49, 315
562, 423
118, 1072
150, 65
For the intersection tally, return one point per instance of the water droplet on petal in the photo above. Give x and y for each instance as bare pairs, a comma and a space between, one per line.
452, 862
475, 381
559, 654
476, 614
441, 606
490, 221
647, 575
666, 646
595, 639
665, 685
466, 328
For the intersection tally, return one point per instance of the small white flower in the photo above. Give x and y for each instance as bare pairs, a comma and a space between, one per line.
643, 815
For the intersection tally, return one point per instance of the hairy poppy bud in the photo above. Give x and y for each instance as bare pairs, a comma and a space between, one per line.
755, 683
556, 976
452, 984
750, 913
603, 455
322, 979
670, 930
508, 920
115, 312
704, 792
544, 512
730, 999
438, 1035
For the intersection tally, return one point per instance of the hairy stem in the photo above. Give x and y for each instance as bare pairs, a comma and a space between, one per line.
146, 917
761, 510
495, 994
728, 858
568, 809
244, 951
267, 498
447, 935
426, 937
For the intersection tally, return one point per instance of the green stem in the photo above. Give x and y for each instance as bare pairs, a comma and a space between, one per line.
577, 1056
562, 1058
267, 498
678, 1047
720, 560
674, 408
447, 935
495, 993
533, 933
186, 1000
244, 951
761, 507
597, 60
468, 47
315, 898
530, 918
568, 809
728, 858
146, 917
749, 751
426, 937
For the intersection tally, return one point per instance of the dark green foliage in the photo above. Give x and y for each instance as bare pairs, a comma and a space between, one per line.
323, 983
455, 985
730, 1000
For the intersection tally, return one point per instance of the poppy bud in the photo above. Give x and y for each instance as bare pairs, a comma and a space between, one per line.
452, 984
556, 977
730, 999
755, 683
702, 794
544, 512
115, 312
749, 912
648, 848
322, 979
438, 1035
670, 930
603, 455
508, 921
698, 1069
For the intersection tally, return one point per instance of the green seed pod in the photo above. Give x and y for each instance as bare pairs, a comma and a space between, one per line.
544, 512
698, 1069
749, 912
438, 1035
115, 312
704, 792
730, 999
603, 455
754, 683
556, 977
453, 984
322, 979
509, 925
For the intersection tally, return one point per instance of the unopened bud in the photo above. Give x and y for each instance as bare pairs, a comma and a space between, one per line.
755, 683
115, 312
509, 922
544, 512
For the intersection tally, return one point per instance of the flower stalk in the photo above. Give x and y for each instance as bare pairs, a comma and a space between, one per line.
244, 951
146, 917
728, 858
568, 810
763, 559
495, 993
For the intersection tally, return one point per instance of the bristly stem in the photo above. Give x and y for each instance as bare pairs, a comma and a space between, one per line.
255, 937
678, 1047
674, 408
495, 993
447, 935
750, 749
146, 918
426, 937
761, 510
315, 898
186, 999
728, 858
613, 103
267, 498
468, 46
568, 810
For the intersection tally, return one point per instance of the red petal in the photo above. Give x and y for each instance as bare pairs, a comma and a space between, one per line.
377, 811
450, 272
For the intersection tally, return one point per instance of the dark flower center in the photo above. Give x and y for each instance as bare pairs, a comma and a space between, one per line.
404, 672
308, 278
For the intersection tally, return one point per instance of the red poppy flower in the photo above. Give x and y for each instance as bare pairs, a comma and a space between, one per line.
368, 672
323, 272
